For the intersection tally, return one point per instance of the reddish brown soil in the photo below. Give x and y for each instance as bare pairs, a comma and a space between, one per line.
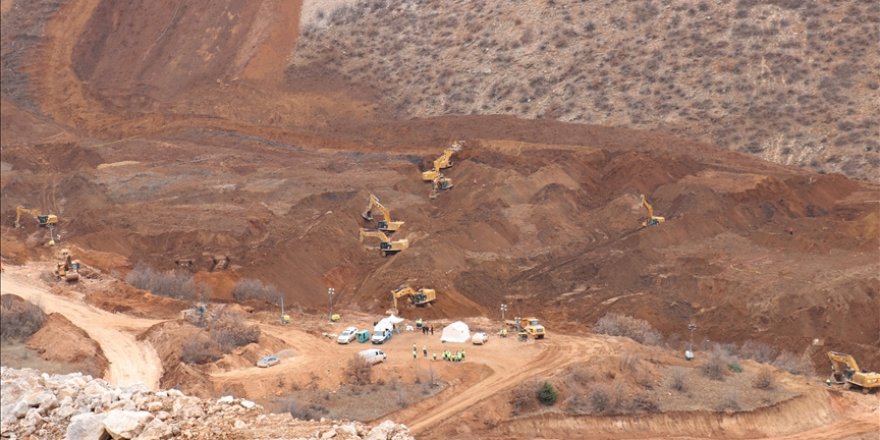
154, 144
77, 347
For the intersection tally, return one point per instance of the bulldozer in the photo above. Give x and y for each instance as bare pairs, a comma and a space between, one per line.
530, 326
385, 225
845, 371
68, 268
652, 220
418, 298
386, 246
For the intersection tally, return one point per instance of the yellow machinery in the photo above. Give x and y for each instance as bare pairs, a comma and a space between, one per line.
386, 225
386, 246
417, 298
44, 220
68, 268
441, 163
845, 370
652, 219
440, 183
530, 326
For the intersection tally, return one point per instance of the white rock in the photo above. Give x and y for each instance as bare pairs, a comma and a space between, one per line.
162, 394
238, 424
328, 435
125, 424
175, 393
247, 404
154, 406
347, 429
86, 427
20, 409
226, 400
154, 430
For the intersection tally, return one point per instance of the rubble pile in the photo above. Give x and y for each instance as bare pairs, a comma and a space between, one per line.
78, 407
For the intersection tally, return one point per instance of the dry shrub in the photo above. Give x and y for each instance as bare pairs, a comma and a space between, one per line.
639, 330
20, 318
644, 403
523, 399
678, 379
177, 284
757, 351
305, 412
764, 380
201, 350
359, 371
729, 403
607, 399
713, 367
251, 289
229, 331
793, 364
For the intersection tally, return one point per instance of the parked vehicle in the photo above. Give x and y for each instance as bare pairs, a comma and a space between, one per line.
480, 338
347, 335
373, 355
381, 337
268, 361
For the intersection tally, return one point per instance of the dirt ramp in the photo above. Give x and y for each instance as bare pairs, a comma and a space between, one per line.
77, 347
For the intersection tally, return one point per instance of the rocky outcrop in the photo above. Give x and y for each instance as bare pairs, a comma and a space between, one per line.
78, 407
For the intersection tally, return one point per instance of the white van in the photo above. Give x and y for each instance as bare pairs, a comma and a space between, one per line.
479, 338
373, 355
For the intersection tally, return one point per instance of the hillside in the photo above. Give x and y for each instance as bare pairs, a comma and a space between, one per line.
789, 81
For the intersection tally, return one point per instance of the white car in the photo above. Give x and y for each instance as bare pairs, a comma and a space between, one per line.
479, 338
268, 361
347, 335
373, 356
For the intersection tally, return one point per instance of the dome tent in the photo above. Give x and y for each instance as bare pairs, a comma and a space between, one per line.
456, 332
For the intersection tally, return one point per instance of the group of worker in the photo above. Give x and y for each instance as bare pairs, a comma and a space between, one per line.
447, 355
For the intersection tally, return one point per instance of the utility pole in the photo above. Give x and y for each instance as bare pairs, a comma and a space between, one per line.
503, 311
330, 292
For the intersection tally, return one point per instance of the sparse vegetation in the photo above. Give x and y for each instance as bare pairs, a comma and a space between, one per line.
20, 318
678, 379
764, 380
713, 367
201, 350
358, 371
174, 284
229, 330
252, 289
728, 403
639, 330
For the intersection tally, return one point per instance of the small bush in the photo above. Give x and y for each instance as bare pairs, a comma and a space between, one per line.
20, 318
645, 403
305, 412
599, 399
757, 351
729, 403
764, 380
251, 289
200, 351
639, 330
713, 368
359, 371
178, 284
678, 379
547, 394
793, 364
735, 367
230, 331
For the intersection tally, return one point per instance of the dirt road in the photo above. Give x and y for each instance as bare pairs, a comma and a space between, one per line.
131, 361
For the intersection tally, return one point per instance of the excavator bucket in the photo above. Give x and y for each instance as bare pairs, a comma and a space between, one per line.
367, 215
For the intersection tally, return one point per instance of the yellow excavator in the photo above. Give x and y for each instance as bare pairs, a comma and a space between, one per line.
44, 220
386, 225
47, 220
417, 298
845, 371
440, 183
68, 268
386, 246
652, 219
441, 163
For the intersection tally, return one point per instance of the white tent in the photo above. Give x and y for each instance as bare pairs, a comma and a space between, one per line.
387, 323
456, 332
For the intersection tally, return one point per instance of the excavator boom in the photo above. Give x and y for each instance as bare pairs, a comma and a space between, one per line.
652, 219
386, 225
845, 370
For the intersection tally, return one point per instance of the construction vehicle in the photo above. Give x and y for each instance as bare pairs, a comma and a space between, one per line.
47, 220
441, 163
845, 371
530, 326
440, 183
418, 298
386, 246
652, 219
385, 225
68, 268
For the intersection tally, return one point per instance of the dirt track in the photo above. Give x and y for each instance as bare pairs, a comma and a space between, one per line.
131, 361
